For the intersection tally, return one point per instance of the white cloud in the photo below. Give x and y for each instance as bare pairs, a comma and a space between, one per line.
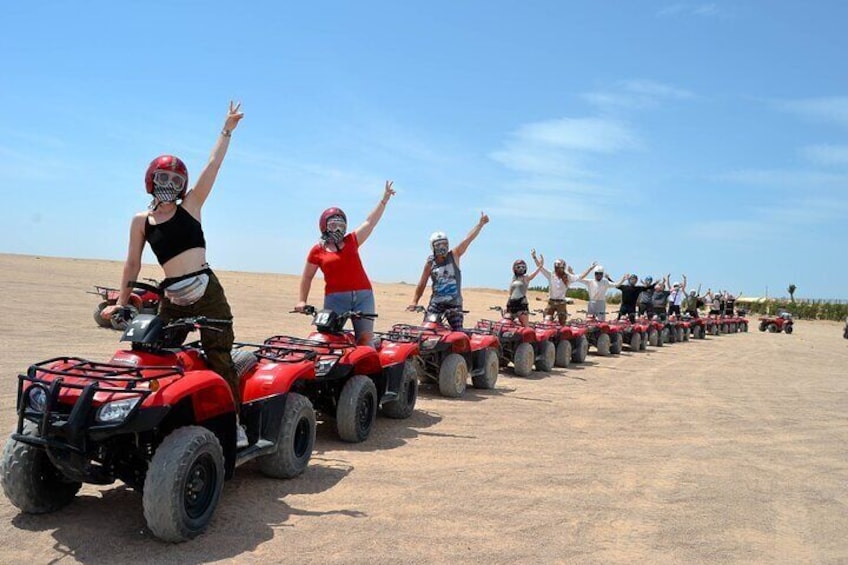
597, 135
636, 94
832, 109
826, 154
785, 178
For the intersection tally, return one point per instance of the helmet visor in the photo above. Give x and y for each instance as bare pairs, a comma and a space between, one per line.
169, 179
336, 224
440, 247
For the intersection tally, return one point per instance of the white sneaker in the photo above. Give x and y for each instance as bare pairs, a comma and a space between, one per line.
241, 437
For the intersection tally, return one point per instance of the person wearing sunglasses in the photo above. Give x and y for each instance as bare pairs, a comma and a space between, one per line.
442, 267
517, 304
171, 225
346, 285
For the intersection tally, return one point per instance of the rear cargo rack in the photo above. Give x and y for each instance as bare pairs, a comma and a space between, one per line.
287, 349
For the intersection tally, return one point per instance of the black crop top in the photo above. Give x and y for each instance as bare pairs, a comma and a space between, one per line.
168, 239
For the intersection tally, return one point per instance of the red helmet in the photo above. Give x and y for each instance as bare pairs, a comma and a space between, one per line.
165, 163
329, 213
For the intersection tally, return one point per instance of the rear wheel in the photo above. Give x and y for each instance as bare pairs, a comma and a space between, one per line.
653, 338
603, 345
183, 484
492, 365
98, 319
635, 341
547, 356
357, 409
563, 353
30, 480
772, 328
453, 375
403, 407
763, 326
616, 341
294, 441
522, 361
580, 350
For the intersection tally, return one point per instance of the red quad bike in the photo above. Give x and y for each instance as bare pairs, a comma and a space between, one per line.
604, 336
446, 357
570, 341
144, 299
681, 328
697, 326
350, 382
653, 331
742, 321
781, 322
157, 418
634, 334
518, 344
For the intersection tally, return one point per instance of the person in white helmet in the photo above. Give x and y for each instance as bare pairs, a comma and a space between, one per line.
558, 282
598, 286
676, 297
442, 267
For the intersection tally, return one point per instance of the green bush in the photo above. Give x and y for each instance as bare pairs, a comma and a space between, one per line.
800, 309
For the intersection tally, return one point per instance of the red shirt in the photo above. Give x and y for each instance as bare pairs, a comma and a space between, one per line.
343, 270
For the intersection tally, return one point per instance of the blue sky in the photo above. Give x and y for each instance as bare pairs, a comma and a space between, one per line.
699, 137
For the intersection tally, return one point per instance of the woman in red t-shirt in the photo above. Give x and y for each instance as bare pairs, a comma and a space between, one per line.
346, 285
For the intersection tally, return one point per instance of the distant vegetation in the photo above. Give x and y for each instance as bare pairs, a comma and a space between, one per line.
802, 309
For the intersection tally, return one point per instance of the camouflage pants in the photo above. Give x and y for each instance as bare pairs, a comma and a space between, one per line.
216, 345
558, 308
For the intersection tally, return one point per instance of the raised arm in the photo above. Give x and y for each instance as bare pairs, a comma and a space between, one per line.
540, 262
539, 267
197, 196
667, 280
684, 284
460, 249
586, 272
698, 292
422, 284
365, 229
622, 279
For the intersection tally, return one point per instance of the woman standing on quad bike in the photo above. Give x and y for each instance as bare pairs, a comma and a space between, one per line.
442, 267
646, 307
517, 304
558, 283
346, 285
175, 234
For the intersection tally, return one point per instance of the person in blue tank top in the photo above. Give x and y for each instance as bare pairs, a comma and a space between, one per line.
442, 268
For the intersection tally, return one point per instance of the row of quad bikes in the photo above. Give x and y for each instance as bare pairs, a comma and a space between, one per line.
157, 418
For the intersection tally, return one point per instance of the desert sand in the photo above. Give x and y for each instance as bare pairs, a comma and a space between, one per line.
731, 449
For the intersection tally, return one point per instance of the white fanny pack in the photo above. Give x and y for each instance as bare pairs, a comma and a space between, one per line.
187, 291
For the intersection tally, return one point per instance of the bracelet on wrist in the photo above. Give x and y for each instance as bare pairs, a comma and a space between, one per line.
226, 132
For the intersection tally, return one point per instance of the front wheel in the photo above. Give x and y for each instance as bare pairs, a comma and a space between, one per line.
453, 376
653, 337
98, 319
643, 345
563, 353
547, 356
183, 484
787, 328
30, 480
491, 366
603, 345
294, 441
357, 409
522, 362
404, 405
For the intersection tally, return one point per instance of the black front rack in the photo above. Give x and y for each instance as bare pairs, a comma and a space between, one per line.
288, 349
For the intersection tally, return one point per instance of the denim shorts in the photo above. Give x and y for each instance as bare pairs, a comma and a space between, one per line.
357, 301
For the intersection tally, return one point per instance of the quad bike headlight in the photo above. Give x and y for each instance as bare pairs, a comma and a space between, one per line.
117, 410
36, 398
430, 343
323, 366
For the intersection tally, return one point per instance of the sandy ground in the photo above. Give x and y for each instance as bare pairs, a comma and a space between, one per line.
732, 449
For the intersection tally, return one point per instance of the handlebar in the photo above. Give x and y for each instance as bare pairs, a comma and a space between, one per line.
351, 314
